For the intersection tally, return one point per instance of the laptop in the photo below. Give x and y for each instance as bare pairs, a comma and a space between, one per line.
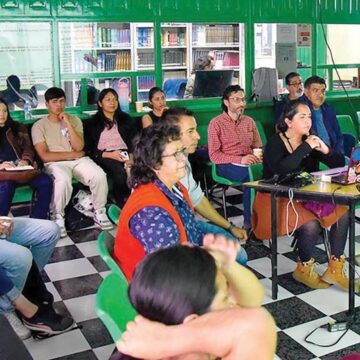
352, 173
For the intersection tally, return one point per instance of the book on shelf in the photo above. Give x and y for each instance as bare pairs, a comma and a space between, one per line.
215, 34
146, 82
120, 60
113, 37
174, 57
173, 37
145, 36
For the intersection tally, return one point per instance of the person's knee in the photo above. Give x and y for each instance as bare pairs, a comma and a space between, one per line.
51, 231
312, 227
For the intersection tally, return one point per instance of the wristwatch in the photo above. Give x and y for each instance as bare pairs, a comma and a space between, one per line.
231, 227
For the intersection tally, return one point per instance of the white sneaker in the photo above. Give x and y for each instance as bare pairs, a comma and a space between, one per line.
59, 220
101, 219
21, 331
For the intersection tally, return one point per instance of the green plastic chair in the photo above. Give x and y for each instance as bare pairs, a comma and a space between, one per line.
255, 173
114, 213
347, 125
106, 250
113, 306
225, 184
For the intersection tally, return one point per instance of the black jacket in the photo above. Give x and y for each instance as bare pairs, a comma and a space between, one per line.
94, 127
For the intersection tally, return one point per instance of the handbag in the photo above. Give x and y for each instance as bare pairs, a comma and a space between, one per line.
20, 176
319, 208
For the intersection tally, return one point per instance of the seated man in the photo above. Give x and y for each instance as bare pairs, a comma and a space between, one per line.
58, 140
324, 121
295, 87
18, 273
232, 136
189, 136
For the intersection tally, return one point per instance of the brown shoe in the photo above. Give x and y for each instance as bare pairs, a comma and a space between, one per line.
337, 273
305, 273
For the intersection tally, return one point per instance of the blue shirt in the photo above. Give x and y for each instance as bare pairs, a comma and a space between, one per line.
155, 228
320, 127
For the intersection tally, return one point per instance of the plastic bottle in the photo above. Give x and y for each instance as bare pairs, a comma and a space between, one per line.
124, 94
27, 110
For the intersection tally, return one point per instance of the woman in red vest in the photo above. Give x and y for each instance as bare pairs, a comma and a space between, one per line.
158, 213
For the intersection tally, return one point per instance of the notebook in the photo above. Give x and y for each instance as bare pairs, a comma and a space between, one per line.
352, 173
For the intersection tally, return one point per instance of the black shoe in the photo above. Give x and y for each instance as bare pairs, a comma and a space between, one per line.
47, 321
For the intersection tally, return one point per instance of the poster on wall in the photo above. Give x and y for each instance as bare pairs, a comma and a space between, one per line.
285, 58
304, 35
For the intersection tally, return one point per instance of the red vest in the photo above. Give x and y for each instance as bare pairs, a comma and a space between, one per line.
128, 251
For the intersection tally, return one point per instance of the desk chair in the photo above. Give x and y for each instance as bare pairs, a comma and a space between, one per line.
106, 250
224, 184
113, 306
114, 213
349, 132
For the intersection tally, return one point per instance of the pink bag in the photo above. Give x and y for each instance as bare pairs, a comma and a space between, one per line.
318, 208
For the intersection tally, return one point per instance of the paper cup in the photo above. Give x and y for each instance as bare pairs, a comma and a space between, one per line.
5, 221
258, 152
139, 106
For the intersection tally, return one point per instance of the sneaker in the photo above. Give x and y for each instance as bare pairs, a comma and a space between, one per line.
101, 219
305, 273
21, 331
59, 220
337, 273
47, 321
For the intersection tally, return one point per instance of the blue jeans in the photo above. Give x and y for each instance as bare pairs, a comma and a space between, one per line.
238, 173
208, 228
43, 187
8, 292
31, 238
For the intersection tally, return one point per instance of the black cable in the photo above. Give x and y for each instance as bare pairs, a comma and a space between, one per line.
332, 57
321, 345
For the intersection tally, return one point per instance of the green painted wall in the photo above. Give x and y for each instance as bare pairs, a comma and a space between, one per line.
157, 11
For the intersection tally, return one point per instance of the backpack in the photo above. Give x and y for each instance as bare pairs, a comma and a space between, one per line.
264, 84
79, 211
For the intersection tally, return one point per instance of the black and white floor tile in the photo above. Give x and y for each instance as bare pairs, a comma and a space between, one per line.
76, 270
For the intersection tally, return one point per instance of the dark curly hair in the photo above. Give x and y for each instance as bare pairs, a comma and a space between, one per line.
148, 149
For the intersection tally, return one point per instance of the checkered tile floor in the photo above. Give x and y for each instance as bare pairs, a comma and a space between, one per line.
76, 270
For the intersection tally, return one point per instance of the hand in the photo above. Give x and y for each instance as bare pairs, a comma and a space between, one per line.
313, 141
139, 337
323, 148
7, 165
249, 159
5, 229
23, 163
239, 233
115, 155
78, 154
65, 117
227, 249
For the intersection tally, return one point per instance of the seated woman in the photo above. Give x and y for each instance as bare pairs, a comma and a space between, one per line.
157, 102
16, 151
108, 141
158, 213
289, 151
214, 301
201, 63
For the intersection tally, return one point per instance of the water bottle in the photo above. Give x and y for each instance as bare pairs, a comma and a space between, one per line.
27, 110
124, 94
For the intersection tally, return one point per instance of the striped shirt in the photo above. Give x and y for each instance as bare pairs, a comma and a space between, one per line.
230, 140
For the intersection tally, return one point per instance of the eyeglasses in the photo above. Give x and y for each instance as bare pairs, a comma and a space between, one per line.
296, 84
237, 100
178, 155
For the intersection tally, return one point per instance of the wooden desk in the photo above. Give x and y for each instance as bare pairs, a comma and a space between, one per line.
321, 191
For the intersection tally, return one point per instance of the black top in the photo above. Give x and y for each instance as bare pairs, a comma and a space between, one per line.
7, 152
278, 160
155, 119
94, 127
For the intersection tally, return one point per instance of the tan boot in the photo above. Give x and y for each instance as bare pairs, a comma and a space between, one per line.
336, 273
305, 273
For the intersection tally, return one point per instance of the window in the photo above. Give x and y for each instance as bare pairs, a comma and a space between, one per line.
26, 53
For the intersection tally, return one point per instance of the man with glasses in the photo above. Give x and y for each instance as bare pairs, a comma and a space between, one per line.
232, 136
295, 87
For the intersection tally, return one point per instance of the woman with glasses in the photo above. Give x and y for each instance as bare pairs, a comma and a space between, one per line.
108, 141
157, 102
158, 213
